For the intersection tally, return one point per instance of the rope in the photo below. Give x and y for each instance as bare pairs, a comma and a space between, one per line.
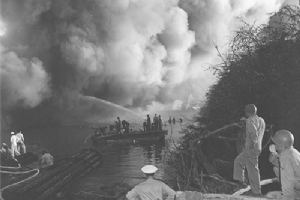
22, 181
8, 167
19, 172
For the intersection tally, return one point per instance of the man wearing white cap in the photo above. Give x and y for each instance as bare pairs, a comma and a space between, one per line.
14, 145
151, 189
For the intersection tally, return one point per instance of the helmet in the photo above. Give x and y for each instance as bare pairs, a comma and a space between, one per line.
251, 109
284, 138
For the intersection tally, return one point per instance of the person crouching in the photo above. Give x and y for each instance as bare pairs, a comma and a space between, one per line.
46, 159
289, 162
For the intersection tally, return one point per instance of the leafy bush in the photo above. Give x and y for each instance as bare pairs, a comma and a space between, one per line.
262, 67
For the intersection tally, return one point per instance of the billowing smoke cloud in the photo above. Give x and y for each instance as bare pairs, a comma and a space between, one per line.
23, 81
130, 52
214, 21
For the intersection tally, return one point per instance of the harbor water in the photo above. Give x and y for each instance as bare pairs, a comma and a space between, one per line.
121, 162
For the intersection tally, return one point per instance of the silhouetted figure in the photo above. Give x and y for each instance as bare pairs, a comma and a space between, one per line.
145, 125
118, 125
155, 122
170, 120
111, 127
159, 123
180, 120
125, 126
153, 126
174, 120
148, 123
103, 130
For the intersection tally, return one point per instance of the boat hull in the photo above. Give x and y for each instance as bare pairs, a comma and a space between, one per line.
152, 136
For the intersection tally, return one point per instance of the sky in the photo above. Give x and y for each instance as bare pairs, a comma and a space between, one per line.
81, 59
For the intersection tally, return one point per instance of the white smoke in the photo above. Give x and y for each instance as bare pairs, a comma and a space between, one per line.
136, 53
23, 81
136, 47
214, 21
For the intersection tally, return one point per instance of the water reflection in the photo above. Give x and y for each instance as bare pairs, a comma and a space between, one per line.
121, 163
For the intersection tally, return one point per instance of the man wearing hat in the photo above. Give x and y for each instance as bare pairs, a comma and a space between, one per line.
151, 189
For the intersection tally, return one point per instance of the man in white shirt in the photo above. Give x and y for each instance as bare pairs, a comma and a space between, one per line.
151, 189
248, 158
289, 159
14, 145
20, 142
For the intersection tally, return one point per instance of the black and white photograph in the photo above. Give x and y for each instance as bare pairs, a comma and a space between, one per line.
150, 99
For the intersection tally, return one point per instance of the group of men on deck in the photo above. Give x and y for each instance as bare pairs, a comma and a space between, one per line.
156, 124
284, 157
121, 126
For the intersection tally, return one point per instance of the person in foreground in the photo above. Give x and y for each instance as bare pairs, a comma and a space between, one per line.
289, 159
151, 189
248, 158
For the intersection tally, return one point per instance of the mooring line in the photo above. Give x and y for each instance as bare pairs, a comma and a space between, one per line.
22, 181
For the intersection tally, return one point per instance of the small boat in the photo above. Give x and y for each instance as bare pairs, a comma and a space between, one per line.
134, 136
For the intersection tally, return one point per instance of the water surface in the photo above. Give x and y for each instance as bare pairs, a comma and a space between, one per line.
121, 162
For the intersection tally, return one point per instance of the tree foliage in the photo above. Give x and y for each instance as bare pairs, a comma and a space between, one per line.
261, 67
